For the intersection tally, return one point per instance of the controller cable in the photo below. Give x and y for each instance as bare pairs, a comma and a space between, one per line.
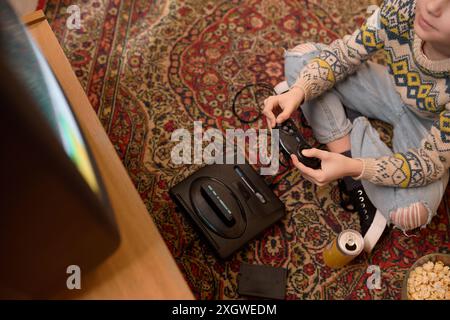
255, 89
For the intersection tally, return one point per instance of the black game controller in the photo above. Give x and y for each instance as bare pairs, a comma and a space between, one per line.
292, 142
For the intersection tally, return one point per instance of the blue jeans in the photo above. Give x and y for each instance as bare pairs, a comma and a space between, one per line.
370, 92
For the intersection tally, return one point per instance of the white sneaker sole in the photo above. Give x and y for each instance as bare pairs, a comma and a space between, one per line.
282, 87
375, 231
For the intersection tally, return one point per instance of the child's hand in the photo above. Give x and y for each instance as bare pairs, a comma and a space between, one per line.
288, 102
333, 166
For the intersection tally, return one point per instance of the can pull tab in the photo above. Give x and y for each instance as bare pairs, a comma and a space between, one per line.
351, 245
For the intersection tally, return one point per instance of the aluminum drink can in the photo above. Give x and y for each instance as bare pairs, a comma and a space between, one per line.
343, 249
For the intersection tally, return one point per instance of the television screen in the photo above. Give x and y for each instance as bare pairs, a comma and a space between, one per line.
54, 210
28, 63
62, 120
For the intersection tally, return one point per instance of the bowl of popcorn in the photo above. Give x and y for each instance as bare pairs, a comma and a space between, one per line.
428, 278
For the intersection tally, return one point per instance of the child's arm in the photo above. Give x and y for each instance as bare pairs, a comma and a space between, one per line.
341, 58
333, 64
415, 167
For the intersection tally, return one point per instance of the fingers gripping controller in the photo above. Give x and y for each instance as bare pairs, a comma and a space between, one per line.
292, 142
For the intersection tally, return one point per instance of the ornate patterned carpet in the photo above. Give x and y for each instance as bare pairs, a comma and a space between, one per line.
149, 67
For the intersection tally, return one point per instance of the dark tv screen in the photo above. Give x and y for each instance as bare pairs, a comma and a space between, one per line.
54, 208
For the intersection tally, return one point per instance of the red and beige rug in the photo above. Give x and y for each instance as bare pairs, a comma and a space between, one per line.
150, 67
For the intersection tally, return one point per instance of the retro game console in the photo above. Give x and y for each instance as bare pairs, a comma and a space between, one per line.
230, 204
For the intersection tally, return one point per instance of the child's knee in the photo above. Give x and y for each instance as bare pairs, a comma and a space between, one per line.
304, 48
296, 58
411, 217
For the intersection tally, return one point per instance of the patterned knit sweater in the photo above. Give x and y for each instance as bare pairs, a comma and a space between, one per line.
423, 84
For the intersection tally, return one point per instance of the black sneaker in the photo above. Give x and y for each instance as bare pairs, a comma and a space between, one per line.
371, 220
